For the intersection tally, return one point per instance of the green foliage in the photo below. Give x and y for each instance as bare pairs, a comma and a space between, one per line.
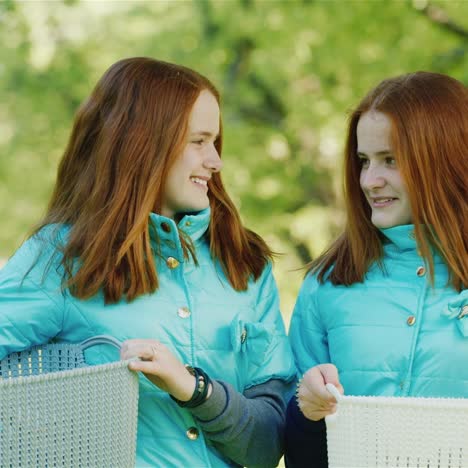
288, 71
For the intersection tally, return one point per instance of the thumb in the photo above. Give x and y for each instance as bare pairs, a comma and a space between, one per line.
330, 375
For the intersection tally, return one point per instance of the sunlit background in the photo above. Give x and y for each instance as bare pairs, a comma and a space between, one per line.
289, 71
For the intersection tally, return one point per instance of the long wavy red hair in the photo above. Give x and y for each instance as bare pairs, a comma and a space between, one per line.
429, 137
124, 140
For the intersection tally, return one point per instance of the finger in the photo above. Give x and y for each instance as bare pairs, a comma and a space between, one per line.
314, 415
313, 387
147, 350
308, 397
147, 367
316, 405
330, 375
312, 393
317, 408
340, 388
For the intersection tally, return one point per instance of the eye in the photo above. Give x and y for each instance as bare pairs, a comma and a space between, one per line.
198, 142
363, 161
390, 161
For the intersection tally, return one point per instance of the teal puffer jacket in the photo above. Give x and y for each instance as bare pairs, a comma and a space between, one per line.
237, 337
392, 334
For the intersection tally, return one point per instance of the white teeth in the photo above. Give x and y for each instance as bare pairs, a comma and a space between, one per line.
199, 181
382, 200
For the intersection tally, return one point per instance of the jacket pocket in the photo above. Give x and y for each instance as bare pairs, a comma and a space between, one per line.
458, 310
252, 340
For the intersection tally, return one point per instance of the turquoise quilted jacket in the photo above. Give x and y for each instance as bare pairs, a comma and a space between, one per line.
237, 337
391, 335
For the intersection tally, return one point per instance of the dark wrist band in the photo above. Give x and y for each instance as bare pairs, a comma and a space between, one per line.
202, 383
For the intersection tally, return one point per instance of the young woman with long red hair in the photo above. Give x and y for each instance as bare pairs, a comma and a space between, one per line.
141, 241
384, 311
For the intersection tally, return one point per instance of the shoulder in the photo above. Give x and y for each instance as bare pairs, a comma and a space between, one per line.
309, 288
36, 254
316, 297
266, 283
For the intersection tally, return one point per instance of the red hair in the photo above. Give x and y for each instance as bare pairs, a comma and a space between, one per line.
429, 132
125, 138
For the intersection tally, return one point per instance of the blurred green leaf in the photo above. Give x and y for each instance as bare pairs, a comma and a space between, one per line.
289, 71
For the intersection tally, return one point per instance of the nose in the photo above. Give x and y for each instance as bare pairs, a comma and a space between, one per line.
372, 177
212, 161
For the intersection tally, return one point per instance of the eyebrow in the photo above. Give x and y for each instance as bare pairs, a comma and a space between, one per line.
379, 153
202, 133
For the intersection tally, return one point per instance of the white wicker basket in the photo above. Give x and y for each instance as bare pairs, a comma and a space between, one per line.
85, 417
397, 432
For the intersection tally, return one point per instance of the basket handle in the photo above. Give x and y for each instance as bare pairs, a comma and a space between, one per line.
100, 339
334, 391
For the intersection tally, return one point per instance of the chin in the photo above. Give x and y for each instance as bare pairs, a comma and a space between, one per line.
195, 208
384, 223
389, 223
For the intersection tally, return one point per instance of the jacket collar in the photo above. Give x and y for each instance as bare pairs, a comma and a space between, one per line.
194, 225
401, 237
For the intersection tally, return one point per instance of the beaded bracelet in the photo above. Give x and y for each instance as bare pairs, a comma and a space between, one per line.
202, 384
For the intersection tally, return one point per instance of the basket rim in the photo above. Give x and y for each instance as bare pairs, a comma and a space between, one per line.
406, 401
65, 374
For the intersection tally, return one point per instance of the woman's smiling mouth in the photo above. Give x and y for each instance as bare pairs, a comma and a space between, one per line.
382, 202
203, 182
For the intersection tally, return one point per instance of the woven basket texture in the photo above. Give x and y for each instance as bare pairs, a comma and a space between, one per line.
398, 432
50, 417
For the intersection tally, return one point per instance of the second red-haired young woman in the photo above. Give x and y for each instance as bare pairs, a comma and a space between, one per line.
384, 311
142, 242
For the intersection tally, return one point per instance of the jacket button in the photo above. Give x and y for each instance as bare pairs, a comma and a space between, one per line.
183, 312
463, 312
192, 433
188, 223
172, 263
411, 320
243, 336
165, 227
421, 271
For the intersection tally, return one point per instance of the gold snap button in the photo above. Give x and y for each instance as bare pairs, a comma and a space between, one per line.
243, 335
192, 433
463, 311
183, 312
188, 223
421, 271
172, 263
411, 320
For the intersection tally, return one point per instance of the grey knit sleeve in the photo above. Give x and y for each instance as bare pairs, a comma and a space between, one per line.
246, 428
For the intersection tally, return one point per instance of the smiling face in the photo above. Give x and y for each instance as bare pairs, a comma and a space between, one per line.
186, 188
380, 178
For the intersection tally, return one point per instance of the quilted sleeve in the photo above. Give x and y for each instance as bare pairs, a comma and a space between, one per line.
31, 303
307, 334
262, 338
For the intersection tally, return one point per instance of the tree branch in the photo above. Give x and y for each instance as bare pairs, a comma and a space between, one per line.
439, 17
